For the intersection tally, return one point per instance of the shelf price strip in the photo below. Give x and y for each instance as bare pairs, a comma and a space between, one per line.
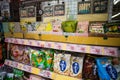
37, 71
99, 50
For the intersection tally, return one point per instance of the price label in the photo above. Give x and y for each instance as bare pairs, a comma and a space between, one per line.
96, 50
45, 73
14, 64
27, 68
20, 66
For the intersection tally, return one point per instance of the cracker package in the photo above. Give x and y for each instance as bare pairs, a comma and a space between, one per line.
62, 64
76, 66
37, 58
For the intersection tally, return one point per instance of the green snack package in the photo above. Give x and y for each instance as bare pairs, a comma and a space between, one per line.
18, 74
69, 26
9, 76
49, 59
38, 58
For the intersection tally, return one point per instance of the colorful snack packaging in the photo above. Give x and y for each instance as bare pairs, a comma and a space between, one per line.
37, 58
26, 57
101, 65
116, 64
69, 26
57, 25
90, 69
18, 74
49, 54
96, 27
16, 52
82, 27
62, 64
76, 66
56, 60
19, 53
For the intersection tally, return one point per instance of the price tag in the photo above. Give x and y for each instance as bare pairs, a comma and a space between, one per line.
81, 48
27, 68
48, 44
20, 66
71, 47
96, 50
110, 51
42, 44
45, 73
6, 62
58, 46
14, 64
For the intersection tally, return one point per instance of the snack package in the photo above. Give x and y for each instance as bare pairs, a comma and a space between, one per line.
19, 53
69, 26
17, 27
82, 27
62, 63
76, 66
18, 74
26, 57
49, 54
57, 25
16, 52
5, 27
38, 58
49, 27
41, 27
116, 64
90, 69
96, 27
56, 60
106, 70
10, 76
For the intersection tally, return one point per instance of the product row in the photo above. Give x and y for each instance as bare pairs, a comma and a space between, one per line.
59, 26
9, 73
72, 64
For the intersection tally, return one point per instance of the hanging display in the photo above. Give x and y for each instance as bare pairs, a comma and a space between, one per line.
59, 10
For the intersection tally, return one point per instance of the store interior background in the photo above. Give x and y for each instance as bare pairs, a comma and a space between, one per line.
59, 39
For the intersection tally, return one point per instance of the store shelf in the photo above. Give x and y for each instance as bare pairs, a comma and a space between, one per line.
82, 40
98, 50
33, 70
31, 19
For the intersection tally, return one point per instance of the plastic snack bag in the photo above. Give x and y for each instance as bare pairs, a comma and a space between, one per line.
76, 66
64, 63
37, 58
49, 54
82, 27
90, 69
